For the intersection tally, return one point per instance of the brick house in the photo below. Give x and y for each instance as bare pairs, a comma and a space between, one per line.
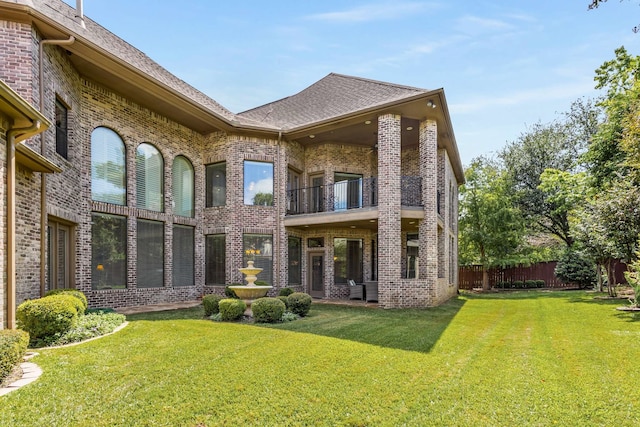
138, 189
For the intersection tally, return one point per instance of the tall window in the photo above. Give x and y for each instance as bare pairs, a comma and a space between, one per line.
258, 183
61, 129
183, 255
452, 260
149, 178
150, 259
183, 187
347, 191
215, 255
259, 249
316, 196
216, 184
108, 251
59, 244
413, 253
108, 170
347, 260
295, 261
293, 192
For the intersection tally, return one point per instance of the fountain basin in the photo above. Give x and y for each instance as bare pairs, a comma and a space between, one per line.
246, 292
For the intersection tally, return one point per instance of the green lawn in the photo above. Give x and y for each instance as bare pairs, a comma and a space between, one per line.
513, 359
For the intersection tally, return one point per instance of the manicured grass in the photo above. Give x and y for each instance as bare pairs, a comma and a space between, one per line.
523, 358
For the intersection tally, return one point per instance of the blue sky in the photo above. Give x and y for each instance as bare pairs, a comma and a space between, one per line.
504, 65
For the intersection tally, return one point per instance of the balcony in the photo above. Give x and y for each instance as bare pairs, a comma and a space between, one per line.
349, 195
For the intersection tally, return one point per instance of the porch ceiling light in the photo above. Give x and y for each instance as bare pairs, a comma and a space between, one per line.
312, 136
431, 104
409, 127
367, 122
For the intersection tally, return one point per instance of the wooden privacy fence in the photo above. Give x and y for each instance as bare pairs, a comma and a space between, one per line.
471, 276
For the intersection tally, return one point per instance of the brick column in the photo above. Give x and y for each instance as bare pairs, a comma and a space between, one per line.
389, 200
428, 232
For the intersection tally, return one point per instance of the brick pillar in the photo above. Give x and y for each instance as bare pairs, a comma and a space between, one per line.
428, 232
389, 200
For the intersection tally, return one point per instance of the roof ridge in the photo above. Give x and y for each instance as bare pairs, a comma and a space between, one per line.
380, 82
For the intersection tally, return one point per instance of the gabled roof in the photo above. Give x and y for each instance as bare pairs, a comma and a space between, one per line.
335, 95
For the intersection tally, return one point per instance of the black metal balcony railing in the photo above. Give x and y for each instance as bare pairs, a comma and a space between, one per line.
346, 195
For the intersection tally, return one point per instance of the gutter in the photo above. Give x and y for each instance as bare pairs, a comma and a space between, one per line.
43, 177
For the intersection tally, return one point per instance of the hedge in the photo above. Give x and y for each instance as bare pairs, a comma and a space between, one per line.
13, 346
267, 310
210, 304
299, 303
231, 309
47, 316
73, 292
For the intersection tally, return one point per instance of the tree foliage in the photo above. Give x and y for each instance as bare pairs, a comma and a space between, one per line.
575, 267
557, 146
491, 227
606, 157
609, 226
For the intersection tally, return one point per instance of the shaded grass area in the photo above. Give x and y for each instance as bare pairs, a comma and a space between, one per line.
523, 358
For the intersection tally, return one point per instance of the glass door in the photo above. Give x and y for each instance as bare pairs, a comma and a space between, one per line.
316, 275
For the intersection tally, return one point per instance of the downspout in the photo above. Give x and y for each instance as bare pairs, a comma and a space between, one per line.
279, 214
43, 176
11, 220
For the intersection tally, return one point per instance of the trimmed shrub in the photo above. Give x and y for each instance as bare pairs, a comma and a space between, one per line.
267, 310
210, 303
299, 303
13, 346
231, 309
73, 292
47, 316
285, 300
518, 284
540, 283
530, 284
285, 292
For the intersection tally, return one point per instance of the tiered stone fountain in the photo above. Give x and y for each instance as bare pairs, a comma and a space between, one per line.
250, 291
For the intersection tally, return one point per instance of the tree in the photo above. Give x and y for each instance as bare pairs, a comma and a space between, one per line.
609, 225
606, 157
263, 199
556, 145
574, 267
491, 228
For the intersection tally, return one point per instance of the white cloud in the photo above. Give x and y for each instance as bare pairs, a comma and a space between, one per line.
262, 186
372, 12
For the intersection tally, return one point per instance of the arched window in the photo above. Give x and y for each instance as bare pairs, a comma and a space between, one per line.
108, 167
183, 187
149, 178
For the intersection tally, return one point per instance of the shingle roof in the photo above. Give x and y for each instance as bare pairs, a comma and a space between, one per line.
333, 96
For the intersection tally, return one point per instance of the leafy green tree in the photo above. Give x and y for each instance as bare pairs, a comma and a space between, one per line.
491, 228
263, 199
609, 225
606, 157
576, 268
556, 145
